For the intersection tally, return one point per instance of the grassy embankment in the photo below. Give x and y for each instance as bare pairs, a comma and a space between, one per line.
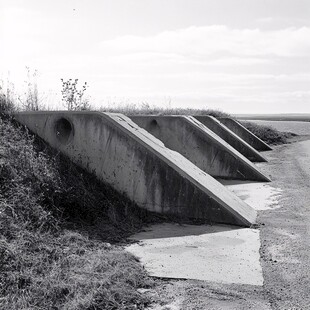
55, 224
268, 134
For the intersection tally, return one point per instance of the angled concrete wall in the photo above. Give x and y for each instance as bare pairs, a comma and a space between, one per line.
231, 138
245, 134
137, 164
201, 146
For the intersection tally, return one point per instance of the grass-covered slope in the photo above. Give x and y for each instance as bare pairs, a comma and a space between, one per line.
268, 134
55, 221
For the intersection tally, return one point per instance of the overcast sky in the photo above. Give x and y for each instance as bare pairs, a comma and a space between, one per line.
239, 56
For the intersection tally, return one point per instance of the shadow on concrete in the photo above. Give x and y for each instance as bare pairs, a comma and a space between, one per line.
237, 182
173, 230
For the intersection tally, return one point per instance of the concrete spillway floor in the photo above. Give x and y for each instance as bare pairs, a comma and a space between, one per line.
212, 253
220, 254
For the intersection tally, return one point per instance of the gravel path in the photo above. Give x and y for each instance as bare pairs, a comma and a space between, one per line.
285, 236
285, 248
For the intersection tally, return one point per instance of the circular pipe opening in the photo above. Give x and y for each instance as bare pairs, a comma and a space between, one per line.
63, 130
154, 123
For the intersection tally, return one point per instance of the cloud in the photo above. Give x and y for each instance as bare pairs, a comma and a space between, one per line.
237, 70
210, 40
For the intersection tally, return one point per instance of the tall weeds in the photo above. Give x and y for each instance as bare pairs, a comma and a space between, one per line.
73, 98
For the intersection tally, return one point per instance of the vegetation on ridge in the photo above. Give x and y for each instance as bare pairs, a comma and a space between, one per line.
73, 98
268, 134
147, 109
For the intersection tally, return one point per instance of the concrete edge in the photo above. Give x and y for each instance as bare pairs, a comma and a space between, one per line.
219, 141
235, 136
268, 147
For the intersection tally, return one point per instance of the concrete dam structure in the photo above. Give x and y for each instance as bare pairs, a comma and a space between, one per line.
245, 134
231, 138
200, 145
137, 164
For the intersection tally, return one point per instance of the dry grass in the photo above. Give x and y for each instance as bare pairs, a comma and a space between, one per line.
149, 110
268, 134
6, 105
48, 258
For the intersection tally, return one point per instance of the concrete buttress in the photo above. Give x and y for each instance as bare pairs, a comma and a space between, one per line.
200, 145
245, 134
135, 163
231, 138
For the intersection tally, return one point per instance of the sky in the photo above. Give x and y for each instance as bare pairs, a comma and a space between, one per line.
238, 56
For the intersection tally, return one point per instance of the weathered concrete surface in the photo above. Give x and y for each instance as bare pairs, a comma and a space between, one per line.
201, 146
137, 164
260, 196
231, 138
245, 134
210, 253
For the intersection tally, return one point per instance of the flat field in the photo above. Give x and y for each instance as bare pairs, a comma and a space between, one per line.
302, 117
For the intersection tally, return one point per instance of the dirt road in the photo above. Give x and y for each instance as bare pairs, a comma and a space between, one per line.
285, 236
285, 247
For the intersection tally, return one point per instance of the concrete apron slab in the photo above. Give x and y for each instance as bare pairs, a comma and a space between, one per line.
220, 254
260, 196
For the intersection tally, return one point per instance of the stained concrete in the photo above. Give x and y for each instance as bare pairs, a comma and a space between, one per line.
211, 253
245, 134
138, 165
231, 138
200, 145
